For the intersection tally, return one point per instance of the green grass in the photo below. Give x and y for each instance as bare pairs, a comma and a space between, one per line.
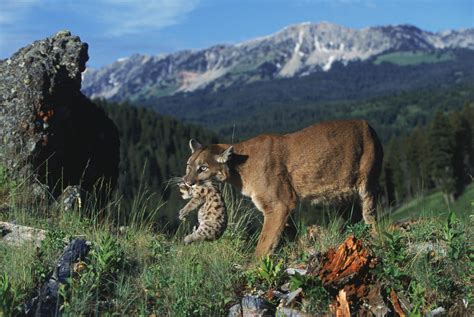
136, 269
133, 269
413, 58
433, 204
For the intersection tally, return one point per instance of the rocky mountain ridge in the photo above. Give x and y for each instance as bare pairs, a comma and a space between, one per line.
297, 50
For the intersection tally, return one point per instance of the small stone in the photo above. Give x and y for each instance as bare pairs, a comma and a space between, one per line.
291, 296
293, 271
235, 311
290, 312
253, 306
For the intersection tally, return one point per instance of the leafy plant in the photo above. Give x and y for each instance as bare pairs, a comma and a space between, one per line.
454, 237
269, 272
54, 240
393, 254
359, 230
98, 278
416, 294
316, 297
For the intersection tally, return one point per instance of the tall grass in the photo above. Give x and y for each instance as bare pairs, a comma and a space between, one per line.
135, 268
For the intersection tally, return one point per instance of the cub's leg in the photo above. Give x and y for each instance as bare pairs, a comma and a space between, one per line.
194, 203
203, 232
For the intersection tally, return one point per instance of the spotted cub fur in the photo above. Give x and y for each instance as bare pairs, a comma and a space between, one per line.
212, 215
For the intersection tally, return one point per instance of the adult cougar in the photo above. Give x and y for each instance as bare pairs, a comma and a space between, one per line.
326, 162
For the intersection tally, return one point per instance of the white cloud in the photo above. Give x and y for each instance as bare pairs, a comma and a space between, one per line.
22, 21
136, 16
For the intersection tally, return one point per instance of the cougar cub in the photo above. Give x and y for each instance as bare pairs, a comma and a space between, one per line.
212, 215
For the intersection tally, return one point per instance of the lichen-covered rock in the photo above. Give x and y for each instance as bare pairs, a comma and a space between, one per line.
49, 130
70, 198
18, 235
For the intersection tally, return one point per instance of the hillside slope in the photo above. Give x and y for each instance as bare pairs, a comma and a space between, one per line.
433, 204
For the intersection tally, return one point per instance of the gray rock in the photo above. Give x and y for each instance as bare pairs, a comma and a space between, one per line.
50, 132
435, 312
70, 198
18, 235
293, 271
253, 306
235, 311
290, 312
289, 298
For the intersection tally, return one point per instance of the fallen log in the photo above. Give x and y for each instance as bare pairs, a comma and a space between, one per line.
48, 301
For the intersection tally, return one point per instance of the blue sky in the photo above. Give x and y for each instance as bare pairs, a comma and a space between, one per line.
119, 28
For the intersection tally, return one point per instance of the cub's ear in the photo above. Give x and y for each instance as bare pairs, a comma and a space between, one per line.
224, 156
194, 145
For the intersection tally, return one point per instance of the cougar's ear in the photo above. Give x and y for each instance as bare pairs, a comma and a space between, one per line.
194, 145
224, 156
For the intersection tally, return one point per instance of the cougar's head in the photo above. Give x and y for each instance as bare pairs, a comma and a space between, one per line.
207, 162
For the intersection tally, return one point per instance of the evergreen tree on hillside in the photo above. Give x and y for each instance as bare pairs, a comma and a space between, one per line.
417, 152
468, 115
442, 146
462, 151
394, 173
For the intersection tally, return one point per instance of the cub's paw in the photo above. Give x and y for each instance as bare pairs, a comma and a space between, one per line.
182, 215
188, 239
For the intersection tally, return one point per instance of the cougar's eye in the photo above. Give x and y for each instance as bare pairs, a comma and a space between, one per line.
202, 169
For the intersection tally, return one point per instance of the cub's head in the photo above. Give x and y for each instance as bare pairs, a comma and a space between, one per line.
207, 162
185, 191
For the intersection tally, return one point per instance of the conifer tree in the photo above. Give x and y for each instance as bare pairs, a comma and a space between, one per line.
441, 141
468, 115
395, 171
461, 153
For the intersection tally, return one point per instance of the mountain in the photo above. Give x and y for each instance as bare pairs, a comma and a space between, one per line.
295, 51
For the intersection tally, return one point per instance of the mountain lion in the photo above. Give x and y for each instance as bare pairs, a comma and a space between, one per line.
325, 162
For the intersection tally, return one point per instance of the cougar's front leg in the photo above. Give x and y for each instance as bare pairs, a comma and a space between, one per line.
275, 215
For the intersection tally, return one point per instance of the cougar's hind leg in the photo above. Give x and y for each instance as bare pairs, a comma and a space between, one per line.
367, 199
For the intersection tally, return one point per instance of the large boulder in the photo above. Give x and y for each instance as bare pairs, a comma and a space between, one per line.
49, 131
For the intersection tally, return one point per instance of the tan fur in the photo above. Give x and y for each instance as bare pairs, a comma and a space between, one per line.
325, 162
212, 215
